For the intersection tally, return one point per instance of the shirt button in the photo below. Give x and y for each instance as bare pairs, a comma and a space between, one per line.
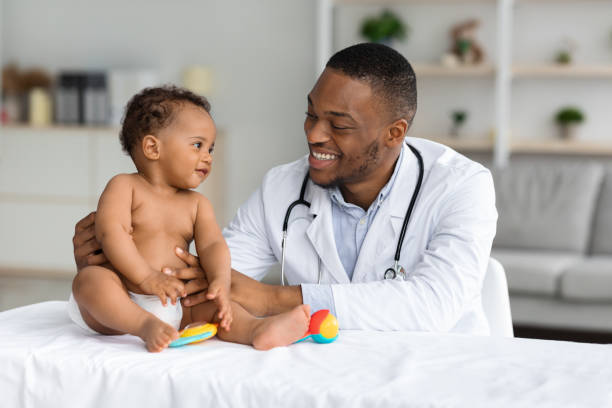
362, 221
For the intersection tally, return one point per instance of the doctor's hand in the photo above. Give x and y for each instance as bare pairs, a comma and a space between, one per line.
87, 249
196, 283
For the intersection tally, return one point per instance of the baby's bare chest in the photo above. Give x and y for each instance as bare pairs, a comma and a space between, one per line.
163, 217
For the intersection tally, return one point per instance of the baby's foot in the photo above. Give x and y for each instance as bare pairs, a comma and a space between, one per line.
156, 334
283, 329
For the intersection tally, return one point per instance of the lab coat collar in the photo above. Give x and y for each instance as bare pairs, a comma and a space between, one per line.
387, 224
321, 233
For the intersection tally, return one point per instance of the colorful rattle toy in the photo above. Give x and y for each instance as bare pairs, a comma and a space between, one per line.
323, 327
195, 333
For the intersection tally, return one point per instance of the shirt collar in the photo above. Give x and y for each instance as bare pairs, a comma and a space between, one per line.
336, 196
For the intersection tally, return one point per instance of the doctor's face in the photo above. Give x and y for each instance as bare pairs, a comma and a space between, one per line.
345, 124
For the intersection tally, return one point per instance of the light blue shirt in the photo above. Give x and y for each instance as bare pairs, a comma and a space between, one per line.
351, 224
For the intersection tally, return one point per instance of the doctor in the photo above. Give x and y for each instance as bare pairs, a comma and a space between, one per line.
370, 204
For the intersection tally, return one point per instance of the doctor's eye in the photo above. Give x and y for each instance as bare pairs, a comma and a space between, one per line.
310, 115
337, 127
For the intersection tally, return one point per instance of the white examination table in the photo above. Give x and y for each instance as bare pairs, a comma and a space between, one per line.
47, 361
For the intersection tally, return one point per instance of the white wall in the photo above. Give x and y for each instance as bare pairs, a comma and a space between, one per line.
261, 53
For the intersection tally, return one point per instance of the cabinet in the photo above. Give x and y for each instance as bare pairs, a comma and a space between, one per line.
513, 96
52, 177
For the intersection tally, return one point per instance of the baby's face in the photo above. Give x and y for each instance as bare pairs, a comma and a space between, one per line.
187, 146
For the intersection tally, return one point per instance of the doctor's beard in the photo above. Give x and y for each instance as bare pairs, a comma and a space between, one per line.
360, 167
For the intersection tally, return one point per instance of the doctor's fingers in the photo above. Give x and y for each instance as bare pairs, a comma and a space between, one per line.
195, 286
185, 273
86, 222
195, 299
86, 248
189, 259
96, 259
83, 235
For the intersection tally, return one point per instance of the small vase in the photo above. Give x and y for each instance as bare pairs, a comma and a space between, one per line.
569, 131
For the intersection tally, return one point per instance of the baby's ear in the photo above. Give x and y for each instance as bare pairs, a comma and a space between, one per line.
150, 147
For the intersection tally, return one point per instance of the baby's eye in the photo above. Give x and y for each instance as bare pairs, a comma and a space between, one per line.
198, 145
211, 150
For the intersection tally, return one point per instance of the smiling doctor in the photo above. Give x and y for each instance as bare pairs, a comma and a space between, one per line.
388, 232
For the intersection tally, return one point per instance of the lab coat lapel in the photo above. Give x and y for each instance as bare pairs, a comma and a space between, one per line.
321, 235
384, 232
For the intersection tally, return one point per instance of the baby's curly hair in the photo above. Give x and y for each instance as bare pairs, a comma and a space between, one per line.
153, 109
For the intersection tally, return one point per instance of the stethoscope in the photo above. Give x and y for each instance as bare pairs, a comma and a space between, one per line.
394, 272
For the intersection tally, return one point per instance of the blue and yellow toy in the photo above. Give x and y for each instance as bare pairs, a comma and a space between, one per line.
323, 327
195, 333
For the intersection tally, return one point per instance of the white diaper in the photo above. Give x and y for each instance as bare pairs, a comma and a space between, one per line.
171, 314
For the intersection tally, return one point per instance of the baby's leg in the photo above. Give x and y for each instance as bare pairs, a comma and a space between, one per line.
107, 308
263, 333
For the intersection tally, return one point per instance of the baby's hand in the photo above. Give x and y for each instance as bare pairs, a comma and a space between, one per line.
162, 286
219, 292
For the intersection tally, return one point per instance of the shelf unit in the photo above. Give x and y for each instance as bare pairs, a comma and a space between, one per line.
503, 71
565, 147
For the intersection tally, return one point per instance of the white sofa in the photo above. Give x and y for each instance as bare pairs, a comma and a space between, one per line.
554, 240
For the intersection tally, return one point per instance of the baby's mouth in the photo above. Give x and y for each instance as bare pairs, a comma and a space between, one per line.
202, 172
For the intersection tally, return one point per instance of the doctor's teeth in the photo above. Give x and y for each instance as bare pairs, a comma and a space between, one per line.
324, 156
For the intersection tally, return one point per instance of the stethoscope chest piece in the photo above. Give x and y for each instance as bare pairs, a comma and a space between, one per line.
396, 272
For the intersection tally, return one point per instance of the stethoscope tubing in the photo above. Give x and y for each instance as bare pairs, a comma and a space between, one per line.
396, 269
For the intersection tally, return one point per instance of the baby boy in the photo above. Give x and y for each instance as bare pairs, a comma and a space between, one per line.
142, 217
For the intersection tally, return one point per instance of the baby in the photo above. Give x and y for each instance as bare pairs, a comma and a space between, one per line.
143, 217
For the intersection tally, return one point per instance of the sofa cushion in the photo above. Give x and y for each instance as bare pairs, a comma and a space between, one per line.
602, 225
534, 272
547, 206
589, 279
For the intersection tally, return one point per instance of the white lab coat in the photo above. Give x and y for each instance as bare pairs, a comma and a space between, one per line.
445, 250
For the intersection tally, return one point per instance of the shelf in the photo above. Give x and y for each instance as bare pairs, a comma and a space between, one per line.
552, 146
62, 128
461, 144
569, 147
434, 70
562, 71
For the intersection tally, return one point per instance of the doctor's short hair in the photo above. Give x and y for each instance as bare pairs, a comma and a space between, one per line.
388, 73
152, 110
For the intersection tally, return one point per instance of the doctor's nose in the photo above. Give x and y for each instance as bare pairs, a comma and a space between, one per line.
316, 132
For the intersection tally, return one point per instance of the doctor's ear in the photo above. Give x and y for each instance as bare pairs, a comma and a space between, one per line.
397, 132
150, 147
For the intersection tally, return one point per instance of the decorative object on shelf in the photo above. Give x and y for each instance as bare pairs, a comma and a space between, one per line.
198, 79
12, 91
565, 55
459, 117
40, 112
26, 96
384, 28
464, 44
82, 98
449, 60
568, 119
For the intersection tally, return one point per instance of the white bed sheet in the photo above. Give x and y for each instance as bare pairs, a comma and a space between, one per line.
47, 361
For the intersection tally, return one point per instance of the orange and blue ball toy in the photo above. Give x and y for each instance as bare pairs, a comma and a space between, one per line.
323, 327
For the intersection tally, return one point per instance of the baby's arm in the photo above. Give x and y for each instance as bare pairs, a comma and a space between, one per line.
113, 231
214, 259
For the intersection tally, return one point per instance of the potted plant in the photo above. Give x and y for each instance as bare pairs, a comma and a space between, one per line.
568, 119
458, 117
384, 28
